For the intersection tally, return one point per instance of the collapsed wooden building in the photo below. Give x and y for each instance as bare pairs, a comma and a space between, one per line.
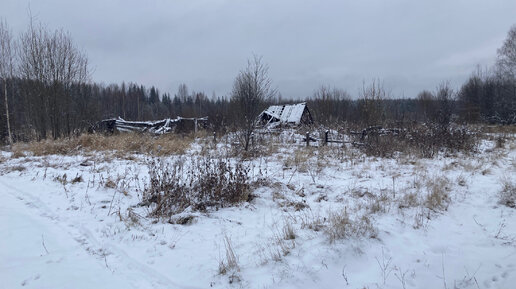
285, 115
168, 125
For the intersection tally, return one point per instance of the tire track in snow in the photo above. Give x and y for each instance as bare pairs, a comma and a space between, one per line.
138, 273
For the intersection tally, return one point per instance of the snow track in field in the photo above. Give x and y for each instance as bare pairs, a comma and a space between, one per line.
27, 220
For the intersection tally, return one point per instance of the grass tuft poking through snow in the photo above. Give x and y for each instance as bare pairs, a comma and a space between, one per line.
438, 198
508, 193
342, 226
229, 262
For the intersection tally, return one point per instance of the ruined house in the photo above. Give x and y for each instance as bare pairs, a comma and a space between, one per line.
285, 115
178, 125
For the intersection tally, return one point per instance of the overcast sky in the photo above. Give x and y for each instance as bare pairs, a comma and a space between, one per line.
410, 45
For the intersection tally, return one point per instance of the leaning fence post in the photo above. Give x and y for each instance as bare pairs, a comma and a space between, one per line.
307, 139
326, 137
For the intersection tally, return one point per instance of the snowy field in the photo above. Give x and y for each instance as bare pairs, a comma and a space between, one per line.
320, 218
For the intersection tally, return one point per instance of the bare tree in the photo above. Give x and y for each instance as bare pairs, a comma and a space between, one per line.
426, 105
506, 68
54, 61
371, 103
506, 62
251, 89
6, 67
182, 92
445, 99
330, 105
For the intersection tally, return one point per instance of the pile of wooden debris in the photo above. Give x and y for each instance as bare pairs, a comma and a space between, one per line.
179, 124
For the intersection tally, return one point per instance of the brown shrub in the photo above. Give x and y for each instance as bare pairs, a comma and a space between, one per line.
200, 184
507, 195
425, 140
17, 151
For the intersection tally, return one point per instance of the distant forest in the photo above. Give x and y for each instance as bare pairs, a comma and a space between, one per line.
47, 93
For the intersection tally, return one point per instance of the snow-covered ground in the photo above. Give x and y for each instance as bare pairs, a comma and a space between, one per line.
67, 225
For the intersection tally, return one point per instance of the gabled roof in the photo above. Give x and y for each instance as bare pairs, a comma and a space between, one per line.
288, 113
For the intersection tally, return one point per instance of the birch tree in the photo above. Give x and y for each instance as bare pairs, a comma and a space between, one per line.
6, 68
54, 61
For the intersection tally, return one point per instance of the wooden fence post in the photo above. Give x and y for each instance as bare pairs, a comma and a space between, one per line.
307, 139
326, 137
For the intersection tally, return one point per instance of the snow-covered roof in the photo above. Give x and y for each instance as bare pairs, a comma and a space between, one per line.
288, 113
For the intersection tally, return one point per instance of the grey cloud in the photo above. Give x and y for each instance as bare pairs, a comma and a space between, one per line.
410, 45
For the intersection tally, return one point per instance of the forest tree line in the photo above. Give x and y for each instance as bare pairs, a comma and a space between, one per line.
47, 93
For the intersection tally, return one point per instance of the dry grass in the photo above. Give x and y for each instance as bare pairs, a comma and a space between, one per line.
311, 221
468, 165
507, 195
15, 168
342, 226
500, 135
299, 159
503, 129
500, 142
282, 242
438, 198
307, 160
17, 152
229, 263
267, 145
379, 203
461, 181
512, 145
125, 143
288, 231
410, 200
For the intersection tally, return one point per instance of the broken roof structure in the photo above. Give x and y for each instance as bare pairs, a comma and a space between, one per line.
287, 114
167, 125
